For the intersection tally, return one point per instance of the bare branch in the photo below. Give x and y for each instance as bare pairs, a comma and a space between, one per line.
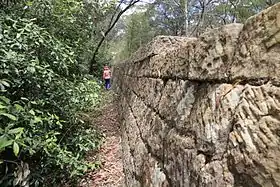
114, 19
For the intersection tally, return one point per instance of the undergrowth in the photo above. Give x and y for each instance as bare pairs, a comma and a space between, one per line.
42, 139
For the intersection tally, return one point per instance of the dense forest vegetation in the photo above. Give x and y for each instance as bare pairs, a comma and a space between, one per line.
51, 58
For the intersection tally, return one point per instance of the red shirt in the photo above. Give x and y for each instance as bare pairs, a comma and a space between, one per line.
106, 74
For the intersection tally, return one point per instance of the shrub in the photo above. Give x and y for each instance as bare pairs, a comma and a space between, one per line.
41, 137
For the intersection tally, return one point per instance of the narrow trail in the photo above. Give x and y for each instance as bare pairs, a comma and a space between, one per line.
111, 172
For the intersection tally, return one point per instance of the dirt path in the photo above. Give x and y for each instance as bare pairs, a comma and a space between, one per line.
111, 172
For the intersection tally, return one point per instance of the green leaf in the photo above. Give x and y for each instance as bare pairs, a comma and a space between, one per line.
32, 112
18, 107
16, 130
16, 148
2, 88
4, 142
5, 99
5, 83
18, 136
10, 116
34, 102
31, 69
24, 99
29, 3
18, 35
37, 119
2, 106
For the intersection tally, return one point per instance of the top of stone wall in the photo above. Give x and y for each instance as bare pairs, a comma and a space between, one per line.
235, 51
159, 45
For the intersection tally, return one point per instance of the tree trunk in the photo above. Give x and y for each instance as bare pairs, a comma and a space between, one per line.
114, 19
186, 18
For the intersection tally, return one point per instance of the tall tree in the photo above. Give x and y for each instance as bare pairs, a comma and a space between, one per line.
119, 11
168, 17
138, 32
191, 17
185, 4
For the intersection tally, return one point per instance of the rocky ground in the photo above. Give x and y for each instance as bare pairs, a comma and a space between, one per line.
111, 172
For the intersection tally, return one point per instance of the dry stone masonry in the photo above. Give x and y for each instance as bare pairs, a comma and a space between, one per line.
204, 111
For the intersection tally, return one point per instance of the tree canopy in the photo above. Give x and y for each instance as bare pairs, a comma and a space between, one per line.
181, 18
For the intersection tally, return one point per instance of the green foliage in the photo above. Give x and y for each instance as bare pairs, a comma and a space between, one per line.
168, 17
42, 139
138, 33
77, 23
244, 9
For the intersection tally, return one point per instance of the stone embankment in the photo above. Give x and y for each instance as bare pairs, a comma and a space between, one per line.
204, 111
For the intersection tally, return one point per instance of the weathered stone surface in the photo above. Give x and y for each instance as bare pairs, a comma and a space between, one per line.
258, 50
204, 111
214, 52
254, 140
159, 45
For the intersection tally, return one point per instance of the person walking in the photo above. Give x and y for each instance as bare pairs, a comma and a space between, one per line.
107, 77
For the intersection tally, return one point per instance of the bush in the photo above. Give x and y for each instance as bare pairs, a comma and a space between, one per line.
41, 137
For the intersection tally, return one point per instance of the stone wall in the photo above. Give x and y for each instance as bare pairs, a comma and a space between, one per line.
204, 111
